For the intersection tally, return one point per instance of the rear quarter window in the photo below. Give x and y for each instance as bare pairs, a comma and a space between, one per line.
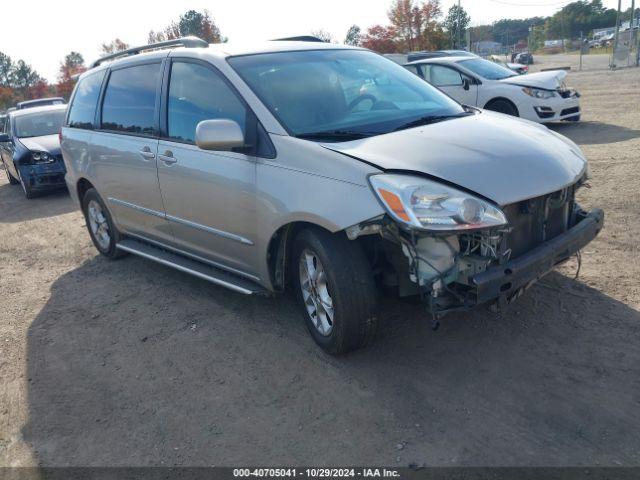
83, 107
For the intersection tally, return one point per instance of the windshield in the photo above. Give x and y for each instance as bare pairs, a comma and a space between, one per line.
39, 124
487, 69
341, 92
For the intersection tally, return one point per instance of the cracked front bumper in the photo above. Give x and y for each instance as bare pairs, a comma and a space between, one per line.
507, 282
43, 176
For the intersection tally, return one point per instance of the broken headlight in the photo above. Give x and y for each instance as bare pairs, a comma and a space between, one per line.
429, 205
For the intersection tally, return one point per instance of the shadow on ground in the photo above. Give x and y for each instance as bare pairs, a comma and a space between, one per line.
594, 133
16, 208
130, 363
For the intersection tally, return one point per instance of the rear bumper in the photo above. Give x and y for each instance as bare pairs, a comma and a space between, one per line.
507, 282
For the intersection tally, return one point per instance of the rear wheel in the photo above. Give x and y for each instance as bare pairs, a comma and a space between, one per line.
501, 105
335, 289
100, 225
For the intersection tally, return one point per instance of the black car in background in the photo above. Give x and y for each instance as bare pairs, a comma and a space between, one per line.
30, 149
525, 58
40, 102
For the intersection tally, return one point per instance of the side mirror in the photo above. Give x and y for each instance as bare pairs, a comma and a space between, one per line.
4, 137
465, 83
222, 135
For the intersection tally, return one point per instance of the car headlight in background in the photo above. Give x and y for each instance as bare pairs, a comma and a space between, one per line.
538, 93
430, 205
41, 157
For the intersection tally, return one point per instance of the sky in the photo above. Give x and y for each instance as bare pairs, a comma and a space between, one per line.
42, 32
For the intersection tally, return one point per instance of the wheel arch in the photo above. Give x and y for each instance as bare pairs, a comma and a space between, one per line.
279, 248
82, 186
505, 99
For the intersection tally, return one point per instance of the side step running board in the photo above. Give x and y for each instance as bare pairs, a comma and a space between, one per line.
193, 267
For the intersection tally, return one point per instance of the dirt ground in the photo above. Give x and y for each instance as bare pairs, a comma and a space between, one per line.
131, 363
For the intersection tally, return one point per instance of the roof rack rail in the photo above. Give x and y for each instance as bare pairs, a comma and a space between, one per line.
301, 38
188, 42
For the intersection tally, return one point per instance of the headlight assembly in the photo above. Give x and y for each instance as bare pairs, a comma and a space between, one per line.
428, 205
41, 157
538, 93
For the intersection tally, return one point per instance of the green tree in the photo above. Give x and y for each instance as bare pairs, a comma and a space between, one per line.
353, 36
192, 22
456, 23
23, 77
200, 25
6, 67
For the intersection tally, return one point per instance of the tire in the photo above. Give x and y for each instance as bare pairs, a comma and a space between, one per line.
343, 273
502, 106
101, 228
12, 180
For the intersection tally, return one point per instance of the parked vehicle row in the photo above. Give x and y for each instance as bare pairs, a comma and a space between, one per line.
30, 149
519, 68
30, 145
324, 169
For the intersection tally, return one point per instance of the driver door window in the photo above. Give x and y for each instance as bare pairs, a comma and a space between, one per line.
197, 93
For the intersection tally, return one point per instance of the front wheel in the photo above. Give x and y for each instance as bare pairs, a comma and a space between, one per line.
100, 225
12, 180
335, 289
502, 106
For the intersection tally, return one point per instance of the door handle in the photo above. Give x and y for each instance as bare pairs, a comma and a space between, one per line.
147, 153
168, 157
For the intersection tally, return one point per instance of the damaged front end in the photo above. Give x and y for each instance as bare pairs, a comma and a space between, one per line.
457, 250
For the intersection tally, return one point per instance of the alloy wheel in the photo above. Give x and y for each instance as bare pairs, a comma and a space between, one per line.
98, 224
315, 292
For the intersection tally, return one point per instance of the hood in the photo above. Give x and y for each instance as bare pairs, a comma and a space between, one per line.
548, 80
515, 65
46, 143
501, 158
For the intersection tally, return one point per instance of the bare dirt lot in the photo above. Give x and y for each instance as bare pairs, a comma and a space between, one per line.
131, 363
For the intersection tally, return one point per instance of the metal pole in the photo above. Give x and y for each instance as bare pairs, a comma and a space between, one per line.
615, 41
581, 48
634, 33
459, 32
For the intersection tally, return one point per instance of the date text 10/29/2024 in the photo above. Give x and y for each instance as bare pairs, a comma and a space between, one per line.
315, 473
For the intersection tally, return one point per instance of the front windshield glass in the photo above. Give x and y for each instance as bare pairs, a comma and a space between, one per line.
487, 69
39, 124
341, 92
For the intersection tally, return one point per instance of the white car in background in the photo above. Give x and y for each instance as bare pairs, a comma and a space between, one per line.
540, 97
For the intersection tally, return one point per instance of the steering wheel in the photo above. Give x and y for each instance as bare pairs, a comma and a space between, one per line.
356, 101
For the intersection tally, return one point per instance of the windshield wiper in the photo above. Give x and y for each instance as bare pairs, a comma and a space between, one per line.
343, 135
427, 120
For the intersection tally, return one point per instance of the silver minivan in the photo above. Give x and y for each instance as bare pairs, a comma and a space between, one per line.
324, 169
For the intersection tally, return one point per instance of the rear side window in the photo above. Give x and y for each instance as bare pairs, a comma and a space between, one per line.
83, 108
197, 93
130, 100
